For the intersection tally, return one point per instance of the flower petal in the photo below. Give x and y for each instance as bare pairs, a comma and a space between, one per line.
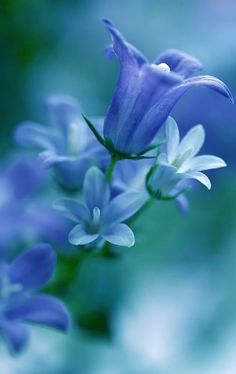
123, 206
79, 236
179, 62
182, 204
194, 140
62, 111
50, 158
155, 117
95, 188
165, 178
41, 309
205, 162
172, 136
30, 134
33, 268
71, 172
15, 334
72, 209
154, 83
127, 87
119, 234
200, 177
207, 81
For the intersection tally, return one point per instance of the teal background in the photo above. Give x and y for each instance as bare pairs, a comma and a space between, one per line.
167, 305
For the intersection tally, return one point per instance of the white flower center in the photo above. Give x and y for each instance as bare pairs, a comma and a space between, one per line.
7, 288
163, 66
73, 138
96, 216
93, 224
181, 158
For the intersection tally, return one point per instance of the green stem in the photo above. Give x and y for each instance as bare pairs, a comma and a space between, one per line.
110, 169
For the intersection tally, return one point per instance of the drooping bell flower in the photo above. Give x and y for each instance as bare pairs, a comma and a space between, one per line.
146, 93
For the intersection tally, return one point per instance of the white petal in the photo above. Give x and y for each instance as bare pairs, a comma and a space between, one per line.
194, 140
72, 209
123, 206
205, 162
95, 188
200, 177
119, 234
78, 236
172, 137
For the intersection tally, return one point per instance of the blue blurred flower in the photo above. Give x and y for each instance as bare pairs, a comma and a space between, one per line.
100, 218
25, 215
18, 302
129, 175
179, 162
67, 145
146, 93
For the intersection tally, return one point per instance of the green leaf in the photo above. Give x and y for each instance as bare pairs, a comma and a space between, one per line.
94, 130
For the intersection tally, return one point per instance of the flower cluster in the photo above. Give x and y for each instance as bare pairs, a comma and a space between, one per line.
107, 170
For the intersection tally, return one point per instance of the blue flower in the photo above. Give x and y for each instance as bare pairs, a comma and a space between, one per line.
100, 218
26, 216
129, 175
20, 305
67, 145
179, 161
146, 93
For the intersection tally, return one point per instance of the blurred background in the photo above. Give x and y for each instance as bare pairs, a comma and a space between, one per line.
167, 305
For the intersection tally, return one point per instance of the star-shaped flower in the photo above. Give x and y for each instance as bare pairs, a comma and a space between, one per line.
180, 162
100, 218
20, 305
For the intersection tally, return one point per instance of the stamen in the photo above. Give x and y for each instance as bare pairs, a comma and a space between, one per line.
73, 138
7, 288
163, 66
180, 159
96, 216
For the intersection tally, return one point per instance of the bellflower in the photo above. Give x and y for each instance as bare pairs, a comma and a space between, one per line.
100, 218
146, 93
179, 161
67, 145
20, 305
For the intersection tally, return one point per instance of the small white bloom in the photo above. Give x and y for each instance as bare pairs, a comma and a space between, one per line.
179, 161
163, 66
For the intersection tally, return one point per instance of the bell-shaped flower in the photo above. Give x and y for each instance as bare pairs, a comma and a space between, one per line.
100, 217
179, 162
67, 145
19, 302
146, 93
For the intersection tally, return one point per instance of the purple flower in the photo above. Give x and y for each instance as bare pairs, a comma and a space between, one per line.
146, 93
67, 145
100, 218
20, 305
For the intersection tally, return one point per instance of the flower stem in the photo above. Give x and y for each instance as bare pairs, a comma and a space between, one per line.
110, 169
